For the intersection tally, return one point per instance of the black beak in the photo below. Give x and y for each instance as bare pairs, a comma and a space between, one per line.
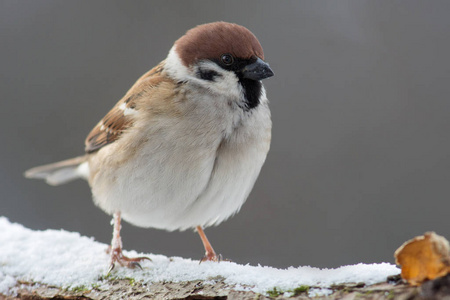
257, 70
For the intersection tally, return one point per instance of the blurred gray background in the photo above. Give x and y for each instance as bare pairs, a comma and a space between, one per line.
360, 156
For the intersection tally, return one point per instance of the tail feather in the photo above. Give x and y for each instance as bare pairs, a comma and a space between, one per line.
60, 172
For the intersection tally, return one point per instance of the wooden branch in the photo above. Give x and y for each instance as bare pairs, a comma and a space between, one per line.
114, 288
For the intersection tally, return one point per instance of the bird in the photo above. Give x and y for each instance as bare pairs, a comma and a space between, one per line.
184, 146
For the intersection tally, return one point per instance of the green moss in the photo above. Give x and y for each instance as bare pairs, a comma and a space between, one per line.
103, 277
299, 290
274, 292
111, 278
79, 289
108, 277
131, 281
95, 286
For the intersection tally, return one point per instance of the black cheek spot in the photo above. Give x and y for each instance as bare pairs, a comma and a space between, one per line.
208, 75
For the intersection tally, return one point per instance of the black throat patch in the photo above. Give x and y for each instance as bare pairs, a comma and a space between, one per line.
252, 88
252, 92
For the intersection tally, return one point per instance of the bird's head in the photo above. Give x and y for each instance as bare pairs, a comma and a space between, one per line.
222, 57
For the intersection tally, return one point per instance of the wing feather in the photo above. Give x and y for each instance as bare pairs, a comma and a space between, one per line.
120, 117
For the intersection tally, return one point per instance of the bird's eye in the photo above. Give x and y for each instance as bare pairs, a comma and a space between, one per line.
227, 59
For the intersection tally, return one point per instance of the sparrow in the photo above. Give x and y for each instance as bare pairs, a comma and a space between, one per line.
183, 148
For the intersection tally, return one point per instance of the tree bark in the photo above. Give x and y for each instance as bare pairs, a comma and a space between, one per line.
113, 289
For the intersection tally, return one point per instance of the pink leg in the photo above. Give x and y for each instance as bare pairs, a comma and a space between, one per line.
116, 249
210, 255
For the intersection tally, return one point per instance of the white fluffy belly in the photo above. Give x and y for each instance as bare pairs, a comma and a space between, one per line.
182, 183
179, 195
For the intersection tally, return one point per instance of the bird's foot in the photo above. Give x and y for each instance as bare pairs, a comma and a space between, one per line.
118, 257
211, 256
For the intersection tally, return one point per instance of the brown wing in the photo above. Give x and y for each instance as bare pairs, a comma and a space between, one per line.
120, 117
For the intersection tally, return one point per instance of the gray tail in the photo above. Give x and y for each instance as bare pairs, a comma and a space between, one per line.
61, 172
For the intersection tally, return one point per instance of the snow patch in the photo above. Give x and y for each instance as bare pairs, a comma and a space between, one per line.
317, 292
7, 283
66, 259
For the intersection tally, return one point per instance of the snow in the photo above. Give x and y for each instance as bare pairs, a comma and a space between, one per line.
66, 259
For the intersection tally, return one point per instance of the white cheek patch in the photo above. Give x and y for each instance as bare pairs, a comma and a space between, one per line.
225, 84
126, 110
175, 67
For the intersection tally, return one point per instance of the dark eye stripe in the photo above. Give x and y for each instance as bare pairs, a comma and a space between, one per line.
238, 64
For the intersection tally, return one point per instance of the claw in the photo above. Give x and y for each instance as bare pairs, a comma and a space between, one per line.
210, 255
111, 267
137, 259
133, 264
213, 257
115, 250
124, 261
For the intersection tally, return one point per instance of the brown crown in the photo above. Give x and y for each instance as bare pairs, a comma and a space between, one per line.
210, 41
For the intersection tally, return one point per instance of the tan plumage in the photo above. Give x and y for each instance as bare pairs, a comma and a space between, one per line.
57, 173
116, 121
184, 146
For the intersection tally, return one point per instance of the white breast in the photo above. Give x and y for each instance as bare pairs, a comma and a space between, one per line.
197, 171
